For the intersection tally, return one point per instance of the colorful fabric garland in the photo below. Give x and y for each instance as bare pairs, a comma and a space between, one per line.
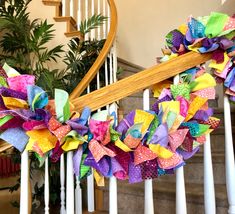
145, 144
214, 33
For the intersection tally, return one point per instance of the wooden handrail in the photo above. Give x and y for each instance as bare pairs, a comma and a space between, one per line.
139, 81
102, 56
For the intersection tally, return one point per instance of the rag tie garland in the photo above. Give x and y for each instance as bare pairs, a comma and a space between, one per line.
214, 33
145, 144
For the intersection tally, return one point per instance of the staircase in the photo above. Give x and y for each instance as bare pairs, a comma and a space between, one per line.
131, 197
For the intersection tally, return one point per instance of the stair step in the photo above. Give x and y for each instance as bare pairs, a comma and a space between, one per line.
131, 198
52, 2
74, 34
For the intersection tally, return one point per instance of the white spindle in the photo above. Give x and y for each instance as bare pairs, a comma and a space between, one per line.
105, 24
98, 12
148, 184
79, 14
64, 7
92, 13
71, 8
209, 189
86, 16
98, 37
70, 184
24, 181
78, 194
90, 178
113, 208
46, 187
229, 156
90, 193
62, 187
110, 67
114, 50
181, 207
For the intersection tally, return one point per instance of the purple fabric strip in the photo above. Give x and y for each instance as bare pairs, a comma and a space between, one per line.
203, 115
117, 169
126, 123
7, 92
155, 105
81, 129
135, 174
160, 136
186, 155
77, 161
102, 166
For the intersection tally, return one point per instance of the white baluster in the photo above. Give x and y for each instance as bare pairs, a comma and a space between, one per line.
209, 189
86, 16
90, 178
46, 187
62, 187
79, 12
99, 28
63, 7
114, 51
229, 156
98, 37
78, 192
90, 193
70, 184
105, 23
113, 208
148, 184
110, 67
181, 207
71, 8
24, 183
92, 13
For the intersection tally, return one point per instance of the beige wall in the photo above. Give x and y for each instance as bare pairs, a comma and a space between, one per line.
143, 25
39, 10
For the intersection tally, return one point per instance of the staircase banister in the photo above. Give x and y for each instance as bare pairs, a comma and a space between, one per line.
137, 82
103, 53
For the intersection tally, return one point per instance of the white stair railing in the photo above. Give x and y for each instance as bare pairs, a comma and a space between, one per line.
181, 207
70, 206
209, 189
229, 156
148, 184
46, 187
24, 183
62, 187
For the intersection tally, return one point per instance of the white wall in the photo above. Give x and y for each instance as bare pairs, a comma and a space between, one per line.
143, 25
